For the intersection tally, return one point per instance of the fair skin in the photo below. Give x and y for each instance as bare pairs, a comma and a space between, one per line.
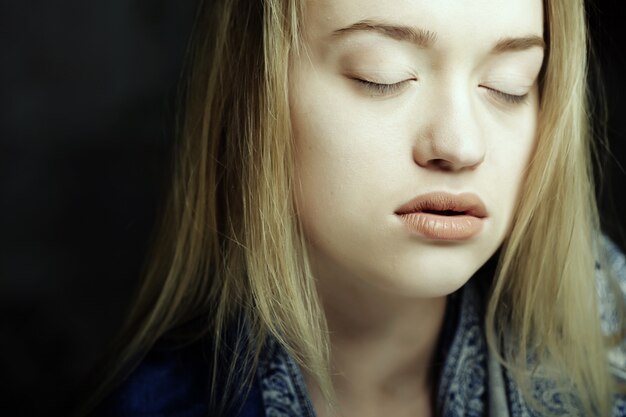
457, 114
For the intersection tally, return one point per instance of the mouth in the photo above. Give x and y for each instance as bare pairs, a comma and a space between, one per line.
444, 212
445, 204
444, 216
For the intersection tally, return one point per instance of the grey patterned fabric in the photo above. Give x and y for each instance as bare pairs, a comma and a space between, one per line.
472, 382
282, 384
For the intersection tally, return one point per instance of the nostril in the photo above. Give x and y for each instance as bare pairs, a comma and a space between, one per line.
441, 164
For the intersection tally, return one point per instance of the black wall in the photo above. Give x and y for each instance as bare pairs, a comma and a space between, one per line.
86, 121
86, 110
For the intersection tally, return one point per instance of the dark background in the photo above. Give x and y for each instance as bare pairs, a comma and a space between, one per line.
87, 93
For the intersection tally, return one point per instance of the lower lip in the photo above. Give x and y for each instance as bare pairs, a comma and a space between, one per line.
434, 226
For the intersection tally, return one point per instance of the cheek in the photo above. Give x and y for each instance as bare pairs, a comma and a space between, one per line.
523, 149
334, 151
338, 167
512, 143
319, 176
329, 177
511, 160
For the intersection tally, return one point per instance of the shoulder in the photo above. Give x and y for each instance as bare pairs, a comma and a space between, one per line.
611, 284
176, 382
610, 260
167, 382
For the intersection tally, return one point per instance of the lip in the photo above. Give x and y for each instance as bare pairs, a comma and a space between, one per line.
444, 216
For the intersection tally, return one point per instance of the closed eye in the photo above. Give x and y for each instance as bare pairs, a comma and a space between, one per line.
382, 89
506, 97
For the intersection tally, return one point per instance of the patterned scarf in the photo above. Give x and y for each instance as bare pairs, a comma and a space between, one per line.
472, 382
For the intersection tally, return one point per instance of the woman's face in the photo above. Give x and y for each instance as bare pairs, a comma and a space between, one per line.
414, 122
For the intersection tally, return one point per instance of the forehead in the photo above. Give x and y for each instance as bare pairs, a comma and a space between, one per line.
455, 22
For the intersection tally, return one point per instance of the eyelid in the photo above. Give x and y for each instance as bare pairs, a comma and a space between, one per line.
507, 97
382, 89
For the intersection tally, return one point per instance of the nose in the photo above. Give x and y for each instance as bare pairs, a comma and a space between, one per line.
451, 137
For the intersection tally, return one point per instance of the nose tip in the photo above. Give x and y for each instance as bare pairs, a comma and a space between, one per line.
460, 156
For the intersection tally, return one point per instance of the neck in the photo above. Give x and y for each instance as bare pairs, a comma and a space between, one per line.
383, 346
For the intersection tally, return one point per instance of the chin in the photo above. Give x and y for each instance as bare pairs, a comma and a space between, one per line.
432, 286
433, 278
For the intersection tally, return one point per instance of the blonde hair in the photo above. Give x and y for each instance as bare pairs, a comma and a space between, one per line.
230, 248
543, 302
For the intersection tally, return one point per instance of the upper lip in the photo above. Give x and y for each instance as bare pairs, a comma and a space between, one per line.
465, 203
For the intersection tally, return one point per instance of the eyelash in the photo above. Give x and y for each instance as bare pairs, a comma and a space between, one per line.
387, 89
380, 88
509, 98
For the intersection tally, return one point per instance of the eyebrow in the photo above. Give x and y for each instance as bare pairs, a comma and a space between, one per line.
426, 38
423, 38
